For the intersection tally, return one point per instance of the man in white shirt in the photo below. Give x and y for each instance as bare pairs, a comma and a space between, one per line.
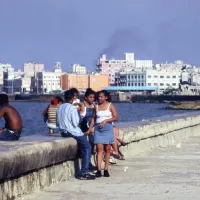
67, 120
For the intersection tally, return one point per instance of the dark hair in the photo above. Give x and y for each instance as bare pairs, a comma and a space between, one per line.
89, 91
74, 90
56, 100
60, 99
3, 99
69, 95
106, 94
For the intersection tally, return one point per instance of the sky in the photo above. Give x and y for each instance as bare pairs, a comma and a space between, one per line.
79, 31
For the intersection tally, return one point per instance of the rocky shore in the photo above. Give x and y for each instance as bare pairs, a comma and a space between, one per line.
188, 105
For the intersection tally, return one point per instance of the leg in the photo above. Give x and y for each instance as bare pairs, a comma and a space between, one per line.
107, 155
99, 155
85, 150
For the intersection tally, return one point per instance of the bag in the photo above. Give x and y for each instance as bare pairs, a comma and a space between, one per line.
84, 125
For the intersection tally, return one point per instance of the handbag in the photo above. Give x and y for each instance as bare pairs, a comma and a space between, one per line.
84, 125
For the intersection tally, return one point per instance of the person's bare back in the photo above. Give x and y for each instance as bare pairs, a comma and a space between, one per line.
13, 120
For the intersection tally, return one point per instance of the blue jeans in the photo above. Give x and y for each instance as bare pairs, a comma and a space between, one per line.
85, 149
9, 135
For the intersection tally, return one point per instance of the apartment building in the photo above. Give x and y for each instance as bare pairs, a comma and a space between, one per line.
82, 82
111, 67
46, 82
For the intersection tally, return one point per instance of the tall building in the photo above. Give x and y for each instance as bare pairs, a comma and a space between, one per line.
46, 82
111, 67
32, 67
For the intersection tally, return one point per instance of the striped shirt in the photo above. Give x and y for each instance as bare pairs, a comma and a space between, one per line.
68, 119
52, 115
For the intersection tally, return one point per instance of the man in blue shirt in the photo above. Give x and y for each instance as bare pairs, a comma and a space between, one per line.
67, 120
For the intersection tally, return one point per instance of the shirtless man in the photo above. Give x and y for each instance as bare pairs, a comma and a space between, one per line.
13, 121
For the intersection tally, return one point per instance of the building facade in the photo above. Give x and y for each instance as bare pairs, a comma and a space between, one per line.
47, 82
111, 67
78, 69
32, 67
82, 82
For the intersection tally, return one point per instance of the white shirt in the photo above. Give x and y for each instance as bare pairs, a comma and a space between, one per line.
102, 115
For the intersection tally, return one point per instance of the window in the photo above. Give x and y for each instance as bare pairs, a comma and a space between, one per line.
155, 84
173, 76
161, 76
161, 84
128, 84
149, 76
135, 84
132, 77
135, 77
128, 77
142, 84
167, 84
173, 84
132, 84
138, 84
168, 77
139, 77
149, 84
155, 76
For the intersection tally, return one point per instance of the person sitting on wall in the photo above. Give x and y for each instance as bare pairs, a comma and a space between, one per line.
49, 114
13, 120
67, 120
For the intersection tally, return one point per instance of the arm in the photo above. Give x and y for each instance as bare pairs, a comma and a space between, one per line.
114, 114
75, 117
46, 110
2, 112
82, 109
92, 122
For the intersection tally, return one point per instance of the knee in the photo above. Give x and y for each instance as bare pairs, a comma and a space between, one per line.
108, 149
99, 149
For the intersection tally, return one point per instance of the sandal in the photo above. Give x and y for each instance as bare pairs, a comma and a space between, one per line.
119, 157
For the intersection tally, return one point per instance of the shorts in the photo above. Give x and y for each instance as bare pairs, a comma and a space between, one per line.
9, 135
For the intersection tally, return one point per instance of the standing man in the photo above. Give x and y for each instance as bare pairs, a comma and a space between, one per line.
13, 120
67, 121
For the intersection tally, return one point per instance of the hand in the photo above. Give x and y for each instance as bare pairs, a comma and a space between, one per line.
87, 132
101, 125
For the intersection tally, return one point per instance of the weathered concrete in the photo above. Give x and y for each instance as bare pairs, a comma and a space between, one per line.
161, 174
33, 163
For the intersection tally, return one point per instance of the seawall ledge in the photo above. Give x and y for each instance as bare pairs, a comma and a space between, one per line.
35, 162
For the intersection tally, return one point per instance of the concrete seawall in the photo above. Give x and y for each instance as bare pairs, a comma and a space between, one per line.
36, 162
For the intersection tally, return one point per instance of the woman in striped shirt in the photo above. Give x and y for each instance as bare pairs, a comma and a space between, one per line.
49, 113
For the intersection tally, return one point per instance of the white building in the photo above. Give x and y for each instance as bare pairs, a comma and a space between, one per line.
5, 67
163, 79
31, 68
78, 69
111, 67
1, 81
46, 82
58, 67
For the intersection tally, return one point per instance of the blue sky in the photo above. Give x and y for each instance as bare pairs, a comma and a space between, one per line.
78, 31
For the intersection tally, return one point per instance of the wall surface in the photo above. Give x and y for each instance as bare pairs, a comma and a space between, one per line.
36, 162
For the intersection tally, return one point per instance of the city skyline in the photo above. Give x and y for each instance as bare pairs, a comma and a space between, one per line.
80, 31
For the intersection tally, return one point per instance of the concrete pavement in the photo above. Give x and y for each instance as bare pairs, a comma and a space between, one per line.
161, 174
